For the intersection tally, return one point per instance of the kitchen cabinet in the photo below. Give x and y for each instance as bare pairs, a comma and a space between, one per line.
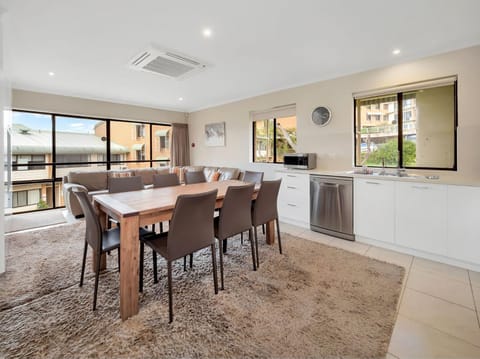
293, 199
421, 217
463, 238
374, 214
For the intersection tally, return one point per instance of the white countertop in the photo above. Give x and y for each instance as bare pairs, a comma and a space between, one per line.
447, 177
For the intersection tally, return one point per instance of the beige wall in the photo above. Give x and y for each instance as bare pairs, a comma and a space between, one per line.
334, 143
43, 102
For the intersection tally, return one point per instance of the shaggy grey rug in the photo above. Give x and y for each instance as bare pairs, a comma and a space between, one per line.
314, 301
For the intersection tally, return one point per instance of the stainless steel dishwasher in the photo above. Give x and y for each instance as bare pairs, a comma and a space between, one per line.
331, 206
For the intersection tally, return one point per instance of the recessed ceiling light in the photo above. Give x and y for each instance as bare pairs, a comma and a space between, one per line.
396, 51
51, 73
207, 32
180, 99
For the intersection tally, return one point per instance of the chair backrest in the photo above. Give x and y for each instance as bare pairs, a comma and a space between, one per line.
236, 213
93, 231
265, 207
165, 180
191, 226
253, 177
124, 184
194, 177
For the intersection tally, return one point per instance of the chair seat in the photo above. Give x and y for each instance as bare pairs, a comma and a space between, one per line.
158, 243
111, 238
216, 222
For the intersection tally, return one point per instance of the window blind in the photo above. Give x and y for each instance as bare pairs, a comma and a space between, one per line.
275, 112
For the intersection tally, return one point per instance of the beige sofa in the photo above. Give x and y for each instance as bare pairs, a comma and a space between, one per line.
96, 182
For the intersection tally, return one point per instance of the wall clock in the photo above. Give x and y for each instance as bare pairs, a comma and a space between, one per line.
321, 116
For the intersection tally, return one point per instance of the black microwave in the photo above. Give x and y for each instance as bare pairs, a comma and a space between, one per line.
303, 161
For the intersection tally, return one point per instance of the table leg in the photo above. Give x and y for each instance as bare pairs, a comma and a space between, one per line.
270, 232
129, 257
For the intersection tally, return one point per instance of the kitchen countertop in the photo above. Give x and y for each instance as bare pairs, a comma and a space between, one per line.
450, 178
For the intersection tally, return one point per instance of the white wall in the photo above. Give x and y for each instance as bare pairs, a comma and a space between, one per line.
44, 102
4, 104
334, 143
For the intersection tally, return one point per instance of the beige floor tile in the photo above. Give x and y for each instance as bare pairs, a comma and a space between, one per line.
411, 340
438, 285
356, 247
476, 297
474, 278
391, 356
447, 317
445, 269
401, 259
316, 237
291, 229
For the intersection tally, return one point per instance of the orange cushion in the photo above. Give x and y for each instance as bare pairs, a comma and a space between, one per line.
214, 177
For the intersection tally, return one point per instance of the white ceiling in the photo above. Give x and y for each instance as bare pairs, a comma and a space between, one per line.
258, 46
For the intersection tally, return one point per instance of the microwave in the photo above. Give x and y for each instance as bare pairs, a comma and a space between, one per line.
303, 161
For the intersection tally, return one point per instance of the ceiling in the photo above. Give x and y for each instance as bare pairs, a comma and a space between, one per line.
256, 46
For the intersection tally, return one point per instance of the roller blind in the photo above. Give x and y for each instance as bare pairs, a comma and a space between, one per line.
276, 112
443, 81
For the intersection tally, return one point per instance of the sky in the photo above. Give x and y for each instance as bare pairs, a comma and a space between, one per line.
44, 122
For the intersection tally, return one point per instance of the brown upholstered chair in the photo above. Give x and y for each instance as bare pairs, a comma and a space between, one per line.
194, 177
265, 210
191, 229
253, 177
124, 184
101, 241
235, 217
165, 180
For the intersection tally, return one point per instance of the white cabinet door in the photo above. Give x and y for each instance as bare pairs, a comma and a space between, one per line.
463, 241
421, 217
374, 209
294, 198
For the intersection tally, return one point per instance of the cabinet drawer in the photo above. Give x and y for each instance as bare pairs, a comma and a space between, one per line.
294, 210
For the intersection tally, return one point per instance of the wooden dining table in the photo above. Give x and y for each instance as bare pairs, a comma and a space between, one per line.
142, 208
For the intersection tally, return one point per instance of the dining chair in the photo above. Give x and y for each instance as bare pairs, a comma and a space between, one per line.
194, 177
252, 177
191, 229
165, 180
101, 241
124, 184
235, 217
265, 210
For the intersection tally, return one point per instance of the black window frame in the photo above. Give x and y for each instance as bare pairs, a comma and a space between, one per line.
274, 139
399, 118
54, 180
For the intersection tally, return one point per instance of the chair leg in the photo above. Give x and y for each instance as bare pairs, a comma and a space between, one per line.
224, 246
278, 235
161, 227
185, 263
153, 228
97, 274
220, 251
140, 274
170, 297
83, 263
256, 246
263, 228
118, 258
241, 238
214, 267
250, 238
155, 272
191, 260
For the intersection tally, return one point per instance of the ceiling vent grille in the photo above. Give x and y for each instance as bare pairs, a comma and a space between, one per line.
166, 63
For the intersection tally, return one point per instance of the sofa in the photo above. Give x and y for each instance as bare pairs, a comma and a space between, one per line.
96, 182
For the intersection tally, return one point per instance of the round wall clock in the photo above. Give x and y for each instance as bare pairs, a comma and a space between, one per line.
321, 116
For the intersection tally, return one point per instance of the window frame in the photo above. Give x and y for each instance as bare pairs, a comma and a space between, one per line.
275, 161
399, 94
54, 180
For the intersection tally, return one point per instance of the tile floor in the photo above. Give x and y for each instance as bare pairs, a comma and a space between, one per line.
438, 313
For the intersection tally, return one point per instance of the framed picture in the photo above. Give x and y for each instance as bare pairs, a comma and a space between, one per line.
215, 134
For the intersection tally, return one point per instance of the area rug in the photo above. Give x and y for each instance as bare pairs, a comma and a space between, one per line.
314, 301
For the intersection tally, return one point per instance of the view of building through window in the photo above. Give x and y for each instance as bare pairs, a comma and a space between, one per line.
273, 138
422, 137
81, 144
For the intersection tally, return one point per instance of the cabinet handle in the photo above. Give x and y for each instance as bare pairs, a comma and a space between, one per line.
291, 187
291, 176
370, 182
291, 205
420, 187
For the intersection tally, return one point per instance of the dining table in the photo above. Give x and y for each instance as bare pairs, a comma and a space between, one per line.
136, 209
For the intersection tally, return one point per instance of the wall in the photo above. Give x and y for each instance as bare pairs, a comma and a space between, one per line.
43, 102
334, 143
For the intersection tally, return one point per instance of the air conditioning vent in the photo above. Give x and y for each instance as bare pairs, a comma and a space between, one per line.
166, 63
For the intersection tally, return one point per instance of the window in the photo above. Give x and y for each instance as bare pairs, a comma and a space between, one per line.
74, 158
140, 155
274, 134
418, 128
140, 131
25, 198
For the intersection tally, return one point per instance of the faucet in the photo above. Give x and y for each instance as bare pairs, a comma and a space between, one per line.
382, 172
